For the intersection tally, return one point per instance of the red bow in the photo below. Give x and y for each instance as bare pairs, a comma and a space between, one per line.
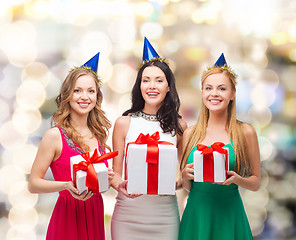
152, 158
91, 175
208, 170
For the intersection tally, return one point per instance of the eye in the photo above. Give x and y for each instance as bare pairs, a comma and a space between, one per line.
144, 80
92, 91
160, 80
76, 90
207, 88
222, 88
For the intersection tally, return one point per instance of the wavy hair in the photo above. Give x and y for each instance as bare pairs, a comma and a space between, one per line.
233, 127
168, 113
97, 121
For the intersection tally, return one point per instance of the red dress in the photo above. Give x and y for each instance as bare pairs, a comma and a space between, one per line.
71, 218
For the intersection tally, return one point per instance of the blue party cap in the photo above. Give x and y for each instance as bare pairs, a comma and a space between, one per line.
148, 51
221, 61
92, 63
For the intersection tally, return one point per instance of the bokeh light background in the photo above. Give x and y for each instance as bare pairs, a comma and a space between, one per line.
41, 40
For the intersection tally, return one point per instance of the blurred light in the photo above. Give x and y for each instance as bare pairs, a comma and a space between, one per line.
10, 174
93, 42
266, 149
151, 30
4, 110
26, 120
124, 103
255, 48
105, 69
123, 78
23, 216
262, 95
24, 157
279, 38
207, 13
10, 138
143, 9
261, 116
30, 94
19, 233
53, 87
292, 55
19, 194
38, 9
6, 14
195, 53
289, 109
288, 78
17, 40
280, 218
36, 71
168, 19
172, 46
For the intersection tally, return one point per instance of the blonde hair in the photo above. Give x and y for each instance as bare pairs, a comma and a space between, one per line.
97, 122
234, 128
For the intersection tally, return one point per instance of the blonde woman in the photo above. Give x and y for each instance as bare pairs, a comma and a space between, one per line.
79, 125
216, 211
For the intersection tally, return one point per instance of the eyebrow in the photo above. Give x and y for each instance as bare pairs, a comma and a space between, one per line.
155, 77
218, 85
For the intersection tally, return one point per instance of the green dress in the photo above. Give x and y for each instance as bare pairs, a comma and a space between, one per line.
213, 211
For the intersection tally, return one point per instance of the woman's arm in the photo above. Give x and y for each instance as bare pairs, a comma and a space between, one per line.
118, 140
49, 150
180, 148
253, 181
187, 172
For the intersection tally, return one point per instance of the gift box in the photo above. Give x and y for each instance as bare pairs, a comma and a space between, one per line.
211, 163
89, 171
150, 166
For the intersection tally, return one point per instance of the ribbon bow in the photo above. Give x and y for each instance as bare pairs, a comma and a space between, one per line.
152, 159
87, 165
208, 172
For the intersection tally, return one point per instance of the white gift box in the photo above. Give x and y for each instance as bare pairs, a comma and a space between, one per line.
100, 168
219, 172
137, 169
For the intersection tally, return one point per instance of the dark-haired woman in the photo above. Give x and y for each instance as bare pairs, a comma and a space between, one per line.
155, 105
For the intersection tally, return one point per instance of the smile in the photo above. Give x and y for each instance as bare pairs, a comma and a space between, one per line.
83, 104
152, 94
215, 101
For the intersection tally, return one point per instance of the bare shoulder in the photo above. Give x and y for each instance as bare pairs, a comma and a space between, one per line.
249, 131
52, 134
183, 124
189, 131
122, 122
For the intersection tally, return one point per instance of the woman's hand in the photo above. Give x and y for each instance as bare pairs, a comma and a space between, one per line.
232, 178
74, 192
122, 189
187, 172
110, 174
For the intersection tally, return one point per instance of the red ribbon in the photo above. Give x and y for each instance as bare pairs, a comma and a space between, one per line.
87, 165
152, 159
208, 159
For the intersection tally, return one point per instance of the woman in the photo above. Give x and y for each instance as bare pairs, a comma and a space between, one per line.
155, 105
215, 211
80, 126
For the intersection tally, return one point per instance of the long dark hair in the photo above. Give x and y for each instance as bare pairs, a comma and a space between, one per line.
168, 113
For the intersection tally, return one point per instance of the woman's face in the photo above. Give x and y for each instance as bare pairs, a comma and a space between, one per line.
154, 86
84, 96
217, 92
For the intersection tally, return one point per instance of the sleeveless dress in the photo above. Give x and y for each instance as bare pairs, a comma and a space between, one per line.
213, 211
74, 219
148, 217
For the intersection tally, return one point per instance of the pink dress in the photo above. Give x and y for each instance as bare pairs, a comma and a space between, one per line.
71, 218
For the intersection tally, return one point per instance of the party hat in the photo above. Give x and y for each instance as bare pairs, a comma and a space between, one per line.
221, 61
92, 63
148, 51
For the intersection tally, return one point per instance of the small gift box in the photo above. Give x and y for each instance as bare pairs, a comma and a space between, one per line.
211, 163
150, 166
89, 171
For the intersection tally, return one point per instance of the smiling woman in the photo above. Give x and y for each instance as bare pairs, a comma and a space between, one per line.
79, 125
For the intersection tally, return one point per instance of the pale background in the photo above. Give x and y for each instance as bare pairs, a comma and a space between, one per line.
41, 40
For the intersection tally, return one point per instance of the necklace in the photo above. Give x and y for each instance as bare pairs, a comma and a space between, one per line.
146, 116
